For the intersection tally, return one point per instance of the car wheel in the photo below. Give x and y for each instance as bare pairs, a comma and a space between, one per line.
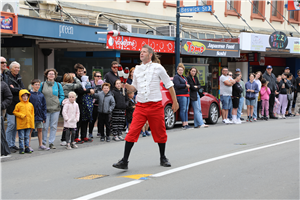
169, 117
213, 115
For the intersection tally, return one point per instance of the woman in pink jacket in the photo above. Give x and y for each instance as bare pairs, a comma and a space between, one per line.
71, 117
264, 97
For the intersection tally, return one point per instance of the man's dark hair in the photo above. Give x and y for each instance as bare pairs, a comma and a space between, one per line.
78, 66
114, 63
35, 81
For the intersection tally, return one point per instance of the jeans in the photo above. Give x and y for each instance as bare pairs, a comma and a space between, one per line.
24, 137
229, 116
240, 108
52, 119
255, 108
11, 130
198, 120
183, 107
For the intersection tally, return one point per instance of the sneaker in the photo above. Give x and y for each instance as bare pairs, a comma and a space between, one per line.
188, 127
165, 162
68, 147
227, 121
183, 127
27, 150
283, 117
74, 146
91, 135
116, 138
242, 119
87, 140
126, 130
63, 143
236, 122
204, 126
248, 119
121, 164
121, 138
147, 133
12, 150
144, 134
21, 151
102, 139
16, 148
107, 139
251, 119
255, 119
51, 146
98, 134
224, 121
266, 118
43, 148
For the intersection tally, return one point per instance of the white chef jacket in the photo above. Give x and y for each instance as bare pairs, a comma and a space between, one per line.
146, 80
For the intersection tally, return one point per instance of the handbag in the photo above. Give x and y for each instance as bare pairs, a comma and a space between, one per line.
289, 96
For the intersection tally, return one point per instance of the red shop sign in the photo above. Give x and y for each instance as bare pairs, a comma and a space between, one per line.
135, 44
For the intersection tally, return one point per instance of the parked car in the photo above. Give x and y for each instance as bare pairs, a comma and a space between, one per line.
209, 105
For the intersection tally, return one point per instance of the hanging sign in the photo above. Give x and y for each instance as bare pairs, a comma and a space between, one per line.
208, 48
136, 44
293, 5
278, 42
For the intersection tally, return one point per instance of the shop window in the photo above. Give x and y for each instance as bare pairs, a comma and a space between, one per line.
231, 6
142, 31
186, 35
210, 36
194, 35
259, 7
201, 35
134, 30
294, 17
218, 36
277, 7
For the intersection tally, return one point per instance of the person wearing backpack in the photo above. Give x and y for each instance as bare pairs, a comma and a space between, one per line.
54, 95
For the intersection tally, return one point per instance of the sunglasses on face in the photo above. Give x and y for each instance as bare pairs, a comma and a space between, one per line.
230, 74
98, 76
3, 62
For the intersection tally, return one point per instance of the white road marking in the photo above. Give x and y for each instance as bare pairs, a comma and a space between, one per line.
124, 185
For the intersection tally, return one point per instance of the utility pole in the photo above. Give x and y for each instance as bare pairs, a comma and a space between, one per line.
177, 41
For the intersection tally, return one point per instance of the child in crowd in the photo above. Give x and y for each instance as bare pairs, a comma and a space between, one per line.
251, 90
118, 114
24, 112
105, 108
145, 130
87, 101
85, 83
40, 111
130, 108
71, 117
69, 84
264, 96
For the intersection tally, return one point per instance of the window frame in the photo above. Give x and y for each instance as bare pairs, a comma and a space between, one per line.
278, 17
261, 9
139, 1
174, 5
296, 19
237, 6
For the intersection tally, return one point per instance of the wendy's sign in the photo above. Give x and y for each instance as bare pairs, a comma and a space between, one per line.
208, 48
278, 40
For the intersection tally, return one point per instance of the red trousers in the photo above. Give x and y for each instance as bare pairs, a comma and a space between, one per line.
154, 113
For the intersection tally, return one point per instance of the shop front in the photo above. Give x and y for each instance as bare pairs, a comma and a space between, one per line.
208, 57
130, 45
259, 50
60, 45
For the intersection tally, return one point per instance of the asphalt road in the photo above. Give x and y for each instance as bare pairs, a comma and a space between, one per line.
258, 160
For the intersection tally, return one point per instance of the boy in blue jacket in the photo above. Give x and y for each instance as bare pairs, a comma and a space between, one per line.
40, 110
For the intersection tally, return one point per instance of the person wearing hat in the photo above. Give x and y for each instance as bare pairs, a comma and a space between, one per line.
271, 78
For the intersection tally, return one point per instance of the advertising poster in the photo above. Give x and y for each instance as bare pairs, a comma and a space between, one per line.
202, 69
6, 23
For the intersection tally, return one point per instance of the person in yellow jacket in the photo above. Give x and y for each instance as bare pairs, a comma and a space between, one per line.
24, 112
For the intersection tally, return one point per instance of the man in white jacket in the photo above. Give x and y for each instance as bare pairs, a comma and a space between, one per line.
146, 80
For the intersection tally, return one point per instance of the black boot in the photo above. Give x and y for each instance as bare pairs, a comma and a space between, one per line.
121, 164
165, 162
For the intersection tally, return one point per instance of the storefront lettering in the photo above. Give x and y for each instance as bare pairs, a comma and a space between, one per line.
63, 29
194, 47
126, 43
221, 53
